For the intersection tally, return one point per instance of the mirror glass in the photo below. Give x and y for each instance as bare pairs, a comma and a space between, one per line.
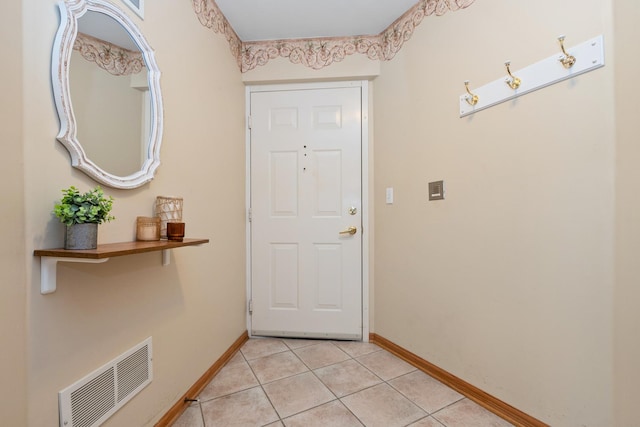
109, 92
106, 85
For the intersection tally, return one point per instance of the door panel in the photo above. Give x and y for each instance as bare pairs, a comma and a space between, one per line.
283, 186
284, 276
328, 273
305, 176
327, 185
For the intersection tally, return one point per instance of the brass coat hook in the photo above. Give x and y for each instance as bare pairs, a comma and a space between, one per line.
514, 82
472, 99
566, 59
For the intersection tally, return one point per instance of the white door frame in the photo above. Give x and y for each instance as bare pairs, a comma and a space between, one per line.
364, 85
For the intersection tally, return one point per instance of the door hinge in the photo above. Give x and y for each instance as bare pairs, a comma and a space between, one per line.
249, 215
250, 306
249, 122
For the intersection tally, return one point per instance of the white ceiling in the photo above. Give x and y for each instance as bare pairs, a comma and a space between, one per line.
255, 20
101, 26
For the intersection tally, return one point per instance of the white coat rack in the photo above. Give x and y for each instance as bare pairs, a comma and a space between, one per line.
569, 63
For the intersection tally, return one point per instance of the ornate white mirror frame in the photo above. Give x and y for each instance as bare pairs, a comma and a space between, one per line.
70, 12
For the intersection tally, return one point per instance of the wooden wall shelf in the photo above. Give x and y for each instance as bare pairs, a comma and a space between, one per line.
51, 257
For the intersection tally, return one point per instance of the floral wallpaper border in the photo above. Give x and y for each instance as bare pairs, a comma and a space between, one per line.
112, 58
318, 53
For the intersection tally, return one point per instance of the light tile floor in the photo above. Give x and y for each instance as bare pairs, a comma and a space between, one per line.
291, 382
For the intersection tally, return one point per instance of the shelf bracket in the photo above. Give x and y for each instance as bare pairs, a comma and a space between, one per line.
49, 258
49, 269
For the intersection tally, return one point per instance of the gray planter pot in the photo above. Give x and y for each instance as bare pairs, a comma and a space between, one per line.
81, 236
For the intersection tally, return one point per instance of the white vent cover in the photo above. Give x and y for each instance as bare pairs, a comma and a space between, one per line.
93, 399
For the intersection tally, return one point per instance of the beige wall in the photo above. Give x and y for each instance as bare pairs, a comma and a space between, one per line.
13, 258
627, 291
508, 282
194, 308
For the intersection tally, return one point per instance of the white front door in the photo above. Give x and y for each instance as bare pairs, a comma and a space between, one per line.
306, 210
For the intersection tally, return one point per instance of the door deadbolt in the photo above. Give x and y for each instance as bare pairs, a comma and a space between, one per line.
353, 210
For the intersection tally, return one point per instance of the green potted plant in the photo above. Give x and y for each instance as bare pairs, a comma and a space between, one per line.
81, 213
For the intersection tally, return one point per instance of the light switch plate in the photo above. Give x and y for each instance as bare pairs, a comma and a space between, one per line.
436, 190
389, 196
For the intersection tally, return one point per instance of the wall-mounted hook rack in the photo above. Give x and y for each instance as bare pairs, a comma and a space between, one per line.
587, 56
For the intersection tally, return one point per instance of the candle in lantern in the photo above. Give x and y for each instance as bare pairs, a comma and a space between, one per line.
147, 228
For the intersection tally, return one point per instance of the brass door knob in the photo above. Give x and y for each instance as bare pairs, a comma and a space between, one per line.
350, 230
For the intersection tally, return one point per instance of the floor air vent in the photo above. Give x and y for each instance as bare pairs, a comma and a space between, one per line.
93, 399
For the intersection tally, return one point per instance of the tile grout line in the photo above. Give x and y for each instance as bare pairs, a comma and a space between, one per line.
410, 399
261, 385
445, 407
312, 371
387, 382
340, 398
354, 358
429, 414
200, 401
309, 370
350, 357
